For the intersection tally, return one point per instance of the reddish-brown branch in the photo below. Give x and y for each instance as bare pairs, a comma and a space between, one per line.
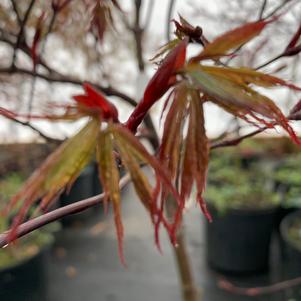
269, 61
21, 31
256, 291
262, 9
58, 78
138, 35
278, 8
236, 141
9, 40
16, 11
55, 77
56, 214
29, 125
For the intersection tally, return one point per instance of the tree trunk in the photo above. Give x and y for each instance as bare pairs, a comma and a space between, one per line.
190, 291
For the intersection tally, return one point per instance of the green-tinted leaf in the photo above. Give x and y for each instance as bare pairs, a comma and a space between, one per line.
191, 168
246, 75
121, 133
239, 99
231, 39
173, 130
196, 149
132, 153
140, 181
109, 175
59, 170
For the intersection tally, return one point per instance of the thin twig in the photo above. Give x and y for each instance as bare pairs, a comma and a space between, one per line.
169, 16
21, 31
256, 291
236, 141
262, 9
59, 78
138, 34
269, 61
55, 77
33, 84
29, 125
279, 7
15, 8
56, 214
25, 48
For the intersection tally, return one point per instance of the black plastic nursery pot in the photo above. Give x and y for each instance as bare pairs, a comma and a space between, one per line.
82, 188
26, 280
238, 241
282, 212
291, 251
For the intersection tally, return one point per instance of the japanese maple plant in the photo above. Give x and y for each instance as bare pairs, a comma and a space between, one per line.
180, 163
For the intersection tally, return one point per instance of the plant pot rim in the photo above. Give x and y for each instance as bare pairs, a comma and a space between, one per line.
284, 226
242, 211
25, 260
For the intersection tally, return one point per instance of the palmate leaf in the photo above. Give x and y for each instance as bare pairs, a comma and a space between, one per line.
239, 99
117, 138
59, 170
246, 76
109, 175
231, 40
123, 135
196, 153
192, 166
170, 149
141, 183
133, 153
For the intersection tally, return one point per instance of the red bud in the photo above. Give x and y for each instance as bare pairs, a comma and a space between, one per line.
93, 99
162, 80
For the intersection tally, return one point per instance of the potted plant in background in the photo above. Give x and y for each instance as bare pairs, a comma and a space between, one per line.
287, 183
287, 177
83, 187
23, 265
243, 206
290, 230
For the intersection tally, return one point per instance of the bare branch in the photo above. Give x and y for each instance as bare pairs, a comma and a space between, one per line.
169, 15
27, 124
21, 31
6, 38
109, 91
236, 141
138, 34
262, 9
278, 8
269, 61
16, 11
58, 78
256, 291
